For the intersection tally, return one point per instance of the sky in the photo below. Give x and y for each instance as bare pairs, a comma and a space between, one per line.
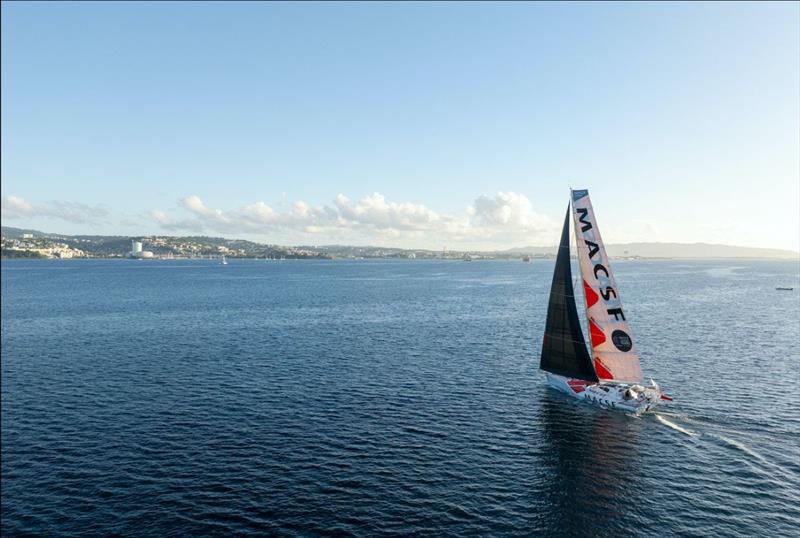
428, 125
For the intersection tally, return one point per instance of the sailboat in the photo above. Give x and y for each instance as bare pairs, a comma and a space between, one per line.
608, 374
224, 261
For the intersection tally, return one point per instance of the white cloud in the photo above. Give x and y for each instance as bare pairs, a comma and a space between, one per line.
196, 206
506, 218
14, 207
375, 212
160, 217
168, 223
506, 209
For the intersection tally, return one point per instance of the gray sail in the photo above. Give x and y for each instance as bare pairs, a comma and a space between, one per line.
564, 348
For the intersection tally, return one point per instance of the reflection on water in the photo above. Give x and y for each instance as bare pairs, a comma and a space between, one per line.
593, 456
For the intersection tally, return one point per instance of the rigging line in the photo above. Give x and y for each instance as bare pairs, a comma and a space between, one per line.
566, 339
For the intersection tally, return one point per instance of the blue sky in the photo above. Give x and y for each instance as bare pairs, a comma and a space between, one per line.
403, 124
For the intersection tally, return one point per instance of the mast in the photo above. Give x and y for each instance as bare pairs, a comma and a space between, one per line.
613, 350
563, 347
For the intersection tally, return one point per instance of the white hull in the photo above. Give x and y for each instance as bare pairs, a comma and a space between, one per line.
627, 397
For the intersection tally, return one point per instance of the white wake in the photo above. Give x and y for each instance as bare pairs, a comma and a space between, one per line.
674, 426
765, 462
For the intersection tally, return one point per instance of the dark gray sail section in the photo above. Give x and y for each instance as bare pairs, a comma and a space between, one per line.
564, 348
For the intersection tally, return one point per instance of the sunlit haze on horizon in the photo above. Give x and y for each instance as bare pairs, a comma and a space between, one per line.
403, 124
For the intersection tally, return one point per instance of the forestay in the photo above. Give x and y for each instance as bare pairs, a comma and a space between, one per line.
613, 348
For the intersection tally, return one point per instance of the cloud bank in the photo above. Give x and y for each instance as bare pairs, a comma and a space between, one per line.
502, 219
14, 207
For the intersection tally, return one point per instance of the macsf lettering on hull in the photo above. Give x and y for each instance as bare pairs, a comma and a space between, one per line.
614, 353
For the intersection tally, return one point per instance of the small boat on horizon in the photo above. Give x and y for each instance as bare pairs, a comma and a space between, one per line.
609, 374
224, 261
780, 288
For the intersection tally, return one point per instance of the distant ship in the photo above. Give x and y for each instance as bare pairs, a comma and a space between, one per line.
784, 288
224, 261
611, 375
526, 258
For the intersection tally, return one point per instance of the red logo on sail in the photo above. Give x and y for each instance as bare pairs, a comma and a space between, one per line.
596, 333
590, 294
602, 371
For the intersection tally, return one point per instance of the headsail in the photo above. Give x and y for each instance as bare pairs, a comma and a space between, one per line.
614, 353
564, 349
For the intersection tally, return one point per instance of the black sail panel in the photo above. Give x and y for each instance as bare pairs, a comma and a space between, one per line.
564, 348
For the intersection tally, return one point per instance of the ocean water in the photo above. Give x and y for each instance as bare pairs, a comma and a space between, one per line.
172, 398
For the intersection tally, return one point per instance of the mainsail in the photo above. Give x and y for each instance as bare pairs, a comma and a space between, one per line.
564, 349
613, 349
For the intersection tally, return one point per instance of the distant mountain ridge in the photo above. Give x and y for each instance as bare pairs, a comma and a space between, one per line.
677, 250
623, 250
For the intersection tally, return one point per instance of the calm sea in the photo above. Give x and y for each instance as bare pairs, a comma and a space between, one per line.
169, 398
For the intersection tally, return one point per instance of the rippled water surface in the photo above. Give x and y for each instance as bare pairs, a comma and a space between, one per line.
403, 397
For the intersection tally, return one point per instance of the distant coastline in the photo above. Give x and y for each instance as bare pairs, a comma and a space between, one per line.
33, 244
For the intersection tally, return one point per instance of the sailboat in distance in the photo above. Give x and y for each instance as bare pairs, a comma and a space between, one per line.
609, 374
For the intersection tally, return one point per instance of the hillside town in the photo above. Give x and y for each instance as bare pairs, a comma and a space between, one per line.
35, 247
30, 244
16, 243
19, 243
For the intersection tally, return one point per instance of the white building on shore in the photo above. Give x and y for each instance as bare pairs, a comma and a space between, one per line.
137, 252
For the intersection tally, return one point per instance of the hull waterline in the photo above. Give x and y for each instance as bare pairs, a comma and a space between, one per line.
627, 397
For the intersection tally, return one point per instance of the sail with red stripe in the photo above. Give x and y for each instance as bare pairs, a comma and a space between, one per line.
613, 350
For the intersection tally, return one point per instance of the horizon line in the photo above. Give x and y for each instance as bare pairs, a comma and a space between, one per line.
354, 245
